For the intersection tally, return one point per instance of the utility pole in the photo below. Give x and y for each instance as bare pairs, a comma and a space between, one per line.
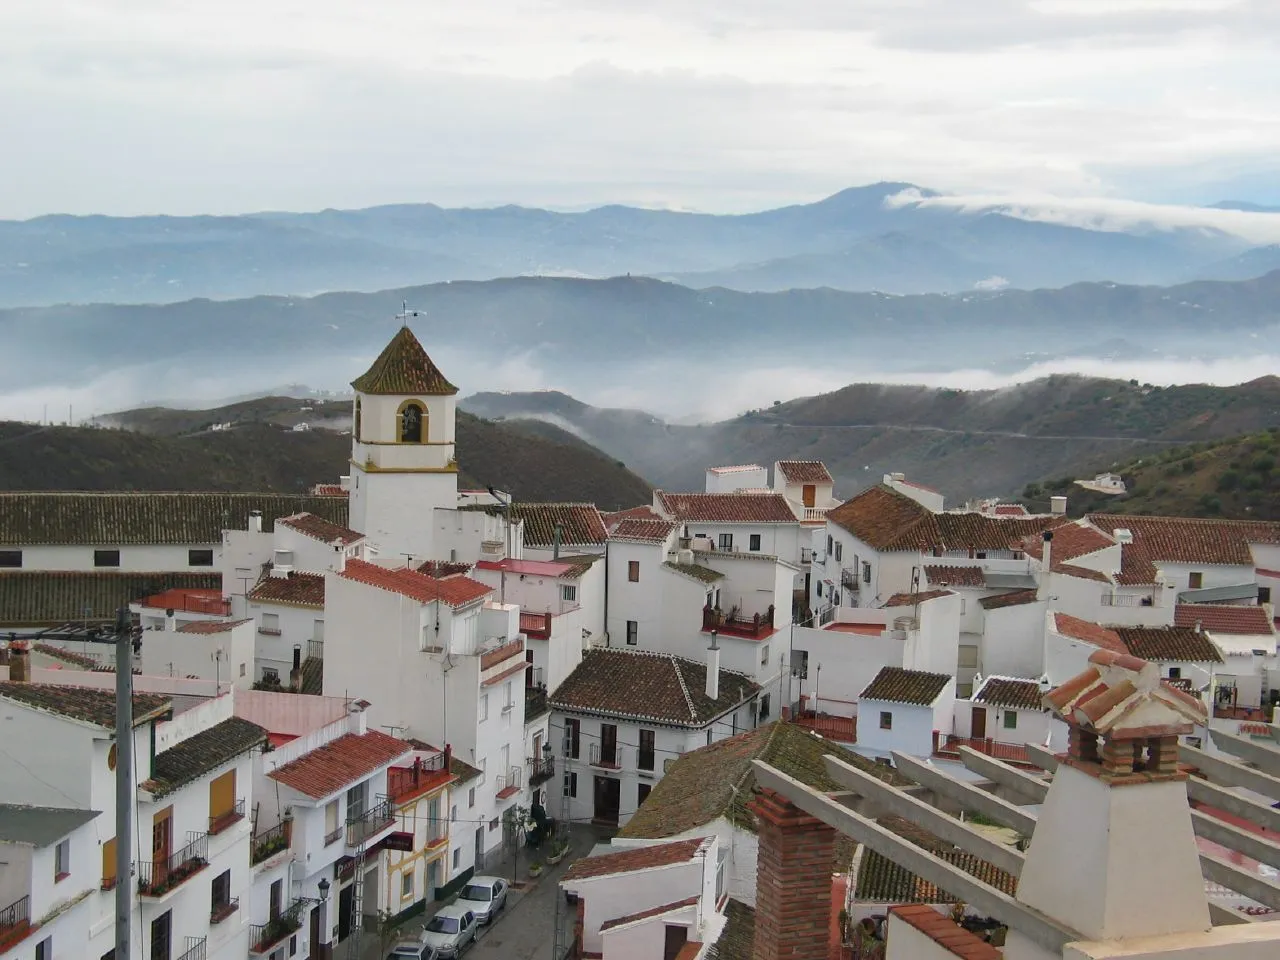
124, 781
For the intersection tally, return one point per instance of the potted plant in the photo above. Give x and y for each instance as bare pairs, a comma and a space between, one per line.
559, 847
535, 869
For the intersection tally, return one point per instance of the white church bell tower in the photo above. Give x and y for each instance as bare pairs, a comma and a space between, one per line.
403, 463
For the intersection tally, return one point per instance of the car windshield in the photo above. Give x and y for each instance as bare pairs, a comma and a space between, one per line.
443, 925
474, 891
408, 952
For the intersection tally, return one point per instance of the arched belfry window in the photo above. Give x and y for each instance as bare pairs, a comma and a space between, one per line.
357, 419
413, 423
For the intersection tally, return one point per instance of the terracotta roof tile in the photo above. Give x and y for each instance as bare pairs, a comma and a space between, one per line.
298, 589
726, 507
195, 756
1123, 696
329, 490
86, 704
652, 686
695, 570
1010, 510
738, 935
896, 685
910, 599
318, 528
340, 763
1015, 598
718, 780
945, 932
649, 914
955, 576
1089, 632
635, 858
443, 568
1080, 573
404, 369
453, 591
1010, 692
647, 531
1191, 540
47, 598
1222, 618
211, 626
581, 523
645, 512
805, 471
1169, 643
880, 880
1070, 541
122, 519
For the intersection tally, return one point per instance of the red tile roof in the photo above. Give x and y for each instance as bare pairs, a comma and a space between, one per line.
210, 626
1010, 510
955, 576
1009, 692
645, 512
454, 591
896, 685
340, 763
537, 568
1070, 540
636, 858
726, 507
1080, 573
945, 932
298, 589
648, 531
1222, 618
1190, 540
318, 528
329, 490
1169, 643
649, 914
805, 471
909, 599
1015, 598
1089, 632
87, 704
580, 523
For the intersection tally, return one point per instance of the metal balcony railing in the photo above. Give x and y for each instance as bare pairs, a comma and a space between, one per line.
1126, 600
404, 782
849, 580
333, 836
509, 783
16, 916
315, 649
364, 825
229, 818
195, 949
541, 769
264, 936
603, 755
269, 842
220, 911
158, 877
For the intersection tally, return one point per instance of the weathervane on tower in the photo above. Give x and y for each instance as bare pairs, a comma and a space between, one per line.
405, 313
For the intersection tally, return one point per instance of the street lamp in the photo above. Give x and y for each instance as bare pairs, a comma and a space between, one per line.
323, 885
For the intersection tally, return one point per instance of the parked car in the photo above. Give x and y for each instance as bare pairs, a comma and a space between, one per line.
451, 929
485, 897
413, 949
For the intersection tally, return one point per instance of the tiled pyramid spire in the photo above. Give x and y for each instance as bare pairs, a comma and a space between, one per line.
404, 369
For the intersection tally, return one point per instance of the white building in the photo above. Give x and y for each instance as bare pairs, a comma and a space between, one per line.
1003, 714
217, 650
623, 716
735, 479
762, 523
808, 487
905, 710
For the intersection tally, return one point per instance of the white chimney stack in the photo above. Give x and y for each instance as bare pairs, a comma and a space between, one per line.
713, 669
357, 721
170, 621
339, 556
255, 521
1058, 506
281, 562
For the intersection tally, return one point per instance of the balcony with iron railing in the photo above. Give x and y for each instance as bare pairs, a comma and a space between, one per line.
426, 774
756, 627
1126, 600
535, 703
849, 580
15, 922
220, 911
315, 649
228, 818
157, 878
508, 784
195, 949
948, 745
604, 755
541, 769
269, 842
264, 936
369, 824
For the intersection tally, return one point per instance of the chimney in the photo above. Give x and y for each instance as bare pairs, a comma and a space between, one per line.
793, 881
20, 661
357, 721
255, 521
1058, 506
713, 669
1046, 558
170, 621
555, 544
339, 556
281, 562
295, 675
1199, 626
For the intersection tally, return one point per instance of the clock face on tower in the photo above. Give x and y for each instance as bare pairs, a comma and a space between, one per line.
411, 424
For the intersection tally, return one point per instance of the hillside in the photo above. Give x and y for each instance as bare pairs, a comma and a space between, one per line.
1235, 478
875, 237
262, 456
965, 443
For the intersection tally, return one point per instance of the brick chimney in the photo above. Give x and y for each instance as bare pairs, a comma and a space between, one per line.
793, 881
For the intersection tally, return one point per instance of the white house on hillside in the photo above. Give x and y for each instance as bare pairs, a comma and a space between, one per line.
902, 710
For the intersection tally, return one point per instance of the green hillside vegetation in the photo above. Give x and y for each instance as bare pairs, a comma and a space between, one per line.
1236, 478
260, 455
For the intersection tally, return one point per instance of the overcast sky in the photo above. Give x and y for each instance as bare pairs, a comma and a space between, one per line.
197, 106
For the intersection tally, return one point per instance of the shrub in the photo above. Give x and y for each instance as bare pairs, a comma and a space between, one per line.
1229, 480
1253, 482
1264, 463
1210, 504
1189, 465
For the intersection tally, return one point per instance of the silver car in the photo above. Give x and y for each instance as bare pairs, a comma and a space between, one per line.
485, 897
451, 929
413, 950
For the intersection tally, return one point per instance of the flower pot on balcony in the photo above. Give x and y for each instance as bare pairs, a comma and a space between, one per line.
535, 870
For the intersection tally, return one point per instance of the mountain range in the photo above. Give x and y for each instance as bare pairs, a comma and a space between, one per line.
875, 237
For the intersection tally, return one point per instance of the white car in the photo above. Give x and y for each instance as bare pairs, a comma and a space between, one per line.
414, 949
451, 929
485, 897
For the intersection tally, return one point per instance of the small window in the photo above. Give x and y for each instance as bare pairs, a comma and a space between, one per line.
10, 558
109, 864
642, 792
755, 542
726, 541
829, 541
44, 949
633, 633
1175, 673
200, 558
819, 588
764, 655
457, 857
645, 756
493, 824
220, 892
270, 624
484, 770
1264, 595
572, 737
571, 784
62, 861
569, 593
484, 706
708, 736
633, 571
1011, 719
866, 572
106, 558
886, 720
1195, 580
471, 797
764, 706
406, 885
839, 551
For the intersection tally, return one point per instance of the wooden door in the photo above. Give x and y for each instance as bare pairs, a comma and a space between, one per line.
609, 743
161, 936
346, 904
161, 845
978, 725
674, 941
608, 796
809, 495
314, 936
222, 795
